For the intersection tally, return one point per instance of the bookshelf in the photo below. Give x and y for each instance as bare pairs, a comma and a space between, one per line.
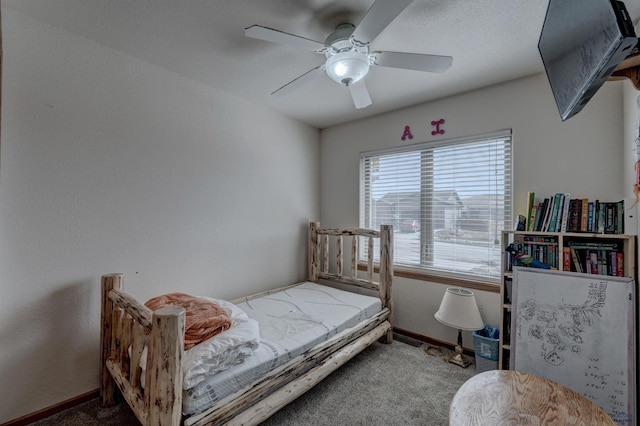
606, 254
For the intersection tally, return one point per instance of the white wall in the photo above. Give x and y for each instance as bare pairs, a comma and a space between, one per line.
582, 156
109, 164
631, 154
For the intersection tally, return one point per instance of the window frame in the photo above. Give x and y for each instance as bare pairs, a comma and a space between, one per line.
423, 271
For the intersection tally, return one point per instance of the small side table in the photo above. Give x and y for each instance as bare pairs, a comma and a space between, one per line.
506, 397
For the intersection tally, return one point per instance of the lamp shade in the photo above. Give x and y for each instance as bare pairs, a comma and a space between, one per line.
459, 309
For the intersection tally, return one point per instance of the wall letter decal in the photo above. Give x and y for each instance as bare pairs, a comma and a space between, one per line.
407, 133
438, 130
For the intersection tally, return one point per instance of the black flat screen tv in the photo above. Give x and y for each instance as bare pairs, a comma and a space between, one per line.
581, 44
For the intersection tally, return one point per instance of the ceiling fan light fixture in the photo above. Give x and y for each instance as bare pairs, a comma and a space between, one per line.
347, 51
347, 67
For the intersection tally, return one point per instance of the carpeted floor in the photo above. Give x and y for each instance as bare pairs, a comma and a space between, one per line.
397, 384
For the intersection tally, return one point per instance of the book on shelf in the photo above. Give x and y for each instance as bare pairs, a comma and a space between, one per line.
591, 208
530, 210
577, 264
539, 214
532, 219
610, 217
620, 212
566, 198
575, 215
566, 258
546, 214
599, 218
584, 220
595, 245
543, 210
620, 264
592, 263
557, 200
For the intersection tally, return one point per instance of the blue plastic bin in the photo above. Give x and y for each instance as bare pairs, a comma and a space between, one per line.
486, 343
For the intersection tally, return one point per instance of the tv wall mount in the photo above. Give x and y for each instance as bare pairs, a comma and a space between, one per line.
629, 68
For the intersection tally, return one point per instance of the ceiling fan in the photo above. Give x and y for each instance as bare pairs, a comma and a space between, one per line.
347, 54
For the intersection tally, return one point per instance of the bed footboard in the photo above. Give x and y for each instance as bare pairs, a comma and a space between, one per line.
127, 326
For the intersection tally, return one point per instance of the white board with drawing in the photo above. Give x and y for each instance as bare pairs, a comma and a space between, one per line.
578, 330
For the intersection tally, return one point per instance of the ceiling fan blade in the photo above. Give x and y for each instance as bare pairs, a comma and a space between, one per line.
360, 94
300, 81
275, 36
412, 61
377, 18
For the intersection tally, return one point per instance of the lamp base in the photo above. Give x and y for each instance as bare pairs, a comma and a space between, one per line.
457, 359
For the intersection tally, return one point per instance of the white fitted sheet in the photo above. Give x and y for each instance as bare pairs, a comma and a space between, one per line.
291, 322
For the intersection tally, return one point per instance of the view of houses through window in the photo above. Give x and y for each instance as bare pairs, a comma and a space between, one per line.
448, 202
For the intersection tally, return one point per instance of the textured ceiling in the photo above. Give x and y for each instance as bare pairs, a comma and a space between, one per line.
490, 40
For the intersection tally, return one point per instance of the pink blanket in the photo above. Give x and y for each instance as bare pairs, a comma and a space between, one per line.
204, 318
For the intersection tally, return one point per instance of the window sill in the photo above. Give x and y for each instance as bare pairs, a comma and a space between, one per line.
459, 281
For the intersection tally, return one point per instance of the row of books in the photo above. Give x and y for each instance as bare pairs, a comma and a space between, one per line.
605, 257
543, 249
597, 259
561, 213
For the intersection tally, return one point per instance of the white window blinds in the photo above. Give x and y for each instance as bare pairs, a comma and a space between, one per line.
448, 202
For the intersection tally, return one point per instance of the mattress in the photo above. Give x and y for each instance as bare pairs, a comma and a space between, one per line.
291, 322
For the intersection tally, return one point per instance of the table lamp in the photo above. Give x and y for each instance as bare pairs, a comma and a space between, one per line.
459, 309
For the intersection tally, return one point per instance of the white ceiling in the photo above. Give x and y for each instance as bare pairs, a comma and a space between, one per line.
490, 40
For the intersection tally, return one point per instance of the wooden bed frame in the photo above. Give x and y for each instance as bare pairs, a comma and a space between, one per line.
127, 326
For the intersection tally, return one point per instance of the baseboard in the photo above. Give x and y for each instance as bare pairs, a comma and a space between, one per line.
431, 341
54, 409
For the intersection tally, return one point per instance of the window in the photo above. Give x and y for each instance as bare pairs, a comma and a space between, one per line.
448, 202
